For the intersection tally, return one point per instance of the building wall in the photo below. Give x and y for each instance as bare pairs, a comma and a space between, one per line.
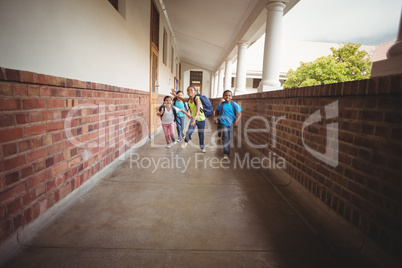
55, 134
359, 124
85, 40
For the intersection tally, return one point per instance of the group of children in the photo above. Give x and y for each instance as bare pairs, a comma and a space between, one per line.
227, 117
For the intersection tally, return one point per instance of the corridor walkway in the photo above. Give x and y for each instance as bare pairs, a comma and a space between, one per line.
178, 216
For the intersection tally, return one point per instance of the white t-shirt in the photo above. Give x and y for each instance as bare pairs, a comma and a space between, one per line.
168, 116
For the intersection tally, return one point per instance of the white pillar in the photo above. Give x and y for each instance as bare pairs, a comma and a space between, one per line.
273, 36
393, 63
220, 83
211, 95
216, 85
241, 72
228, 75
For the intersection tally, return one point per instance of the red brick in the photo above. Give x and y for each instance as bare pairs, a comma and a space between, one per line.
37, 154
6, 89
56, 148
37, 179
41, 79
11, 178
14, 162
6, 120
40, 190
10, 134
33, 90
34, 130
28, 77
14, 206
26, 172
10, 104
2, 74
24, 145
55, 103
36, 142
12, 192
9, 149
20, 90
55, 126
13, 75
22, 118
59, 168
35, 117
46, 116
33, 104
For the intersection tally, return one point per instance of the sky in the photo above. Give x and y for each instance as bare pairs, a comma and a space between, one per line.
368, 22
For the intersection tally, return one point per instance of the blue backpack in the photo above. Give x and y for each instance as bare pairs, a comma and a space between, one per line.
207, 108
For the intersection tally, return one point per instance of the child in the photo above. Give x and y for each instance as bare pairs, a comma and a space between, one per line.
167, 112
198, 117
228, 115
180, 122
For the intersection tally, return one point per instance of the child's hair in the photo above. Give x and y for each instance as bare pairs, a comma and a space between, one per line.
193, 88
227, 91
179, 92
166, 97
158, 109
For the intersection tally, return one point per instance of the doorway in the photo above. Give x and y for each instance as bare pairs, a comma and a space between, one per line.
154, 69
196, 80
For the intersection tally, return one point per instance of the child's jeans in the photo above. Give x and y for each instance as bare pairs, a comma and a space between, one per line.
180, 121
201, 126
227, 134
168, 129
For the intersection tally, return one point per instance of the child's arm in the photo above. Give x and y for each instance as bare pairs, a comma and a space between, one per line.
238, 116
160, 113
180, 98
186, 113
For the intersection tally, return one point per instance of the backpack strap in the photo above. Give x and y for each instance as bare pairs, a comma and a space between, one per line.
233, 107
174, 113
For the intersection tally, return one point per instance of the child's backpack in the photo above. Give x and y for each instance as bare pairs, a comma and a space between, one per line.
164, 109
207, 108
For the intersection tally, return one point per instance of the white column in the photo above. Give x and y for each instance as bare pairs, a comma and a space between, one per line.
220, 83
211, 95
273, 35
228, 75
216, 85
241, 72
393, 63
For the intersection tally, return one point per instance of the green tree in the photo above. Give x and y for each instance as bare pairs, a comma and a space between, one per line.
347, 63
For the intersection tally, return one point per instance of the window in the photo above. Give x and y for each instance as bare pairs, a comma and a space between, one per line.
165, 38
120, 6
115, 4
154, 26
256, 82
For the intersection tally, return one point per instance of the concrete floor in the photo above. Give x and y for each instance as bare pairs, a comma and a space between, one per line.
177, 217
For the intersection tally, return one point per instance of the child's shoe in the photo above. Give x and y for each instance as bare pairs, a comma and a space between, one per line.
226, 157
168, 145
203, 150
174, 141
184, 145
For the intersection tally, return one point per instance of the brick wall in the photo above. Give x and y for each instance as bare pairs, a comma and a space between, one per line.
41, 162
365, 185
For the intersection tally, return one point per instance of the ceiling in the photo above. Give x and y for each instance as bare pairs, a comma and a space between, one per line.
207, 31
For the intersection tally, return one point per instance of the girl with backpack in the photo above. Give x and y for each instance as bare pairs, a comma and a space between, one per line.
168, 114
180, 120
198, 117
